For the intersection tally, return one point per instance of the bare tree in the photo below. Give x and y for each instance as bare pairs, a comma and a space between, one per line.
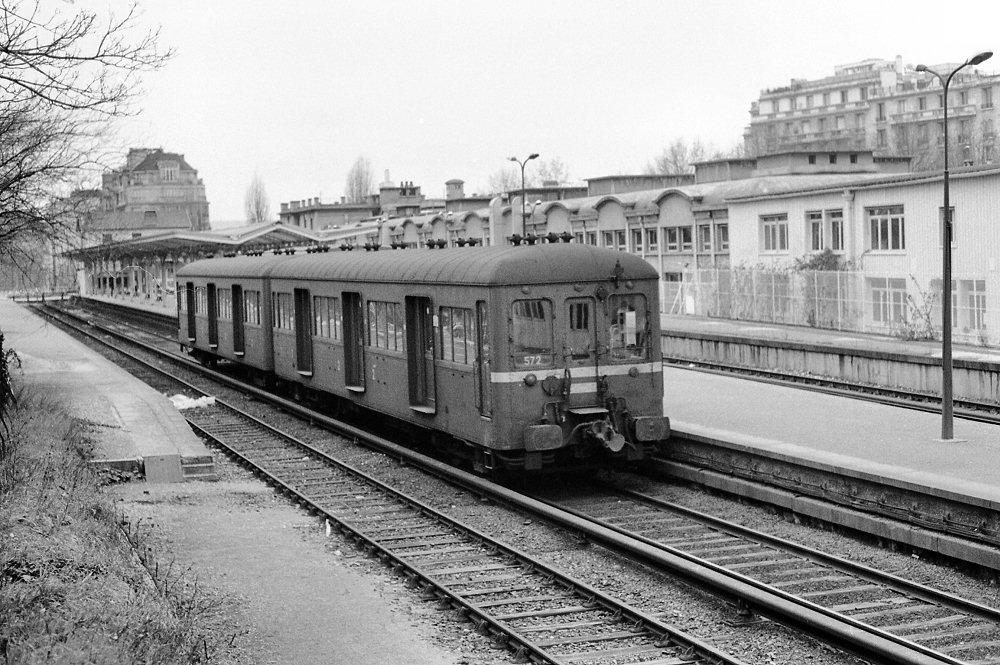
552, 170
506, 180
679, 157
256, 204
360, 181
65, 75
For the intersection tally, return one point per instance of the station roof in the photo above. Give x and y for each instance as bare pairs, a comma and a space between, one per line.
255, 237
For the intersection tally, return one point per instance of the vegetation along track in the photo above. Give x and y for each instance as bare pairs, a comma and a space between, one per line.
515, 608
984, 412
962, 629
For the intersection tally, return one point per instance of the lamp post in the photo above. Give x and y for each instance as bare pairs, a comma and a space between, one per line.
947, 399
521, 164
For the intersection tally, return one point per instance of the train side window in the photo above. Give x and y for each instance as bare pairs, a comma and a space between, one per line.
531, 333
580, 328
200, 300
385, 325
282, 312
251, 307
326, 317
457, 336
628, 331
224, 304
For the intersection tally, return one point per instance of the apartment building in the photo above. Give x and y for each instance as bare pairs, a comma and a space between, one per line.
884, 106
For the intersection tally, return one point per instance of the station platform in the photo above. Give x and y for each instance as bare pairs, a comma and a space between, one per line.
813, 444
805, 335
140, 428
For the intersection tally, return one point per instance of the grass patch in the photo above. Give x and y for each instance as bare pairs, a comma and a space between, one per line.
77, 582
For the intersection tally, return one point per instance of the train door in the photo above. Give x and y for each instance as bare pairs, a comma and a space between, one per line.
420, 353
354, 341
484, 395
580, 341
303, 332
189, 294
239, 340
213, 317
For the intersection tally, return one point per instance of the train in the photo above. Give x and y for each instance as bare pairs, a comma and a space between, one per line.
522, 357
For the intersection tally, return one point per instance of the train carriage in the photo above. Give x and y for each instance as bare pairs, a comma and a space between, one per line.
224, 312
528, 357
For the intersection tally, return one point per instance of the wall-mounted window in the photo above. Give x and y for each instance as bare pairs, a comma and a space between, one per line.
887, 228
814, 227
705, 238
835, 224
678, 238
888, 299
722, 237
637, 241
652, 240
774, 233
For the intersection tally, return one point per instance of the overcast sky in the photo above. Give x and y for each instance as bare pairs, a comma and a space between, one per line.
297, 90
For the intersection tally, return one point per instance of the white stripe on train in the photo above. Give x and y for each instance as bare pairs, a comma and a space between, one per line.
577, 373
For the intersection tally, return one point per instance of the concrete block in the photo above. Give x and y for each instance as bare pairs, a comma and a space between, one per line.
163, 468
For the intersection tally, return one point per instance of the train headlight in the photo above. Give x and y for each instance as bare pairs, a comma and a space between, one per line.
530, 380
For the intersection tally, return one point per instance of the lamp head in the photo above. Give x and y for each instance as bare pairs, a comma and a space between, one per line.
512, 159
921, 68
980, 57
535, 154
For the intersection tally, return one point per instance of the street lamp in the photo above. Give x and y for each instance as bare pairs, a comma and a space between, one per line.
947, 399
521, 164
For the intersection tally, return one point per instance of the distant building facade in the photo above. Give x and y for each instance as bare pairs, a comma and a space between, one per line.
883, 106
154, 192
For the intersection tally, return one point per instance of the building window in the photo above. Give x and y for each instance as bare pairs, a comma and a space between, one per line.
620, 241
678, 238
385, 325
963, 97
456, 335
987, 98
608, 238
843, 96
922, 104
888, 300
578, 237
880, 138
854, 159
975, 290
836, 225
652, 240
326, 317
281, 311
774, 233
592, 238
887, 228
814, 227
705, 238
812, 159
881, 112
826, 99
833, 159
722, 237
637, 241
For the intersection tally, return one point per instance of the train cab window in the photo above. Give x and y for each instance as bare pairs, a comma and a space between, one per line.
629, 328
224, 304
282, 312
580, 328
531, 333
326, 317
251, 307
457, 336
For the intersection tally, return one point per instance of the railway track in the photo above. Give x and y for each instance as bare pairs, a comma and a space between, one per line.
942, 622
914, 625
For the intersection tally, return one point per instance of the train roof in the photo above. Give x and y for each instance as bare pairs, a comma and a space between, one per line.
235, 266
507, 265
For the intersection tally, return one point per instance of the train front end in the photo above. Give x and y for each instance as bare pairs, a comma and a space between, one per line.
584, 381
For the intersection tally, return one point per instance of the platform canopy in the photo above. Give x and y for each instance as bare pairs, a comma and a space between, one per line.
171, 243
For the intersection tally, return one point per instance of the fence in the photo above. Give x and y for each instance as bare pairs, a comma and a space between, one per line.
904, 306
